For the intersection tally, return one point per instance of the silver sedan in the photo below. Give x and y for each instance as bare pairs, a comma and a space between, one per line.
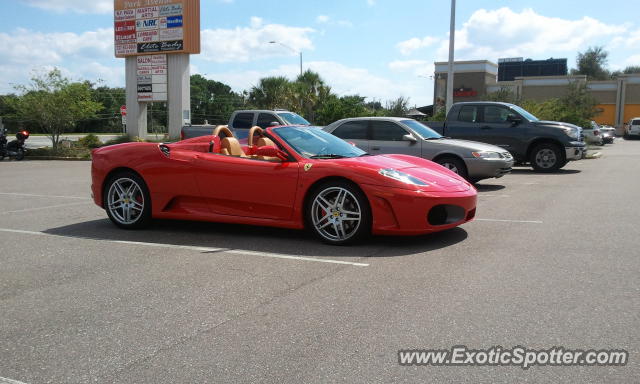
385, 135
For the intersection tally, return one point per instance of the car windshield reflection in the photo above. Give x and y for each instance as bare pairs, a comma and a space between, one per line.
317, 144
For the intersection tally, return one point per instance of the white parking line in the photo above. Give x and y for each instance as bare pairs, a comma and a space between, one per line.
47, 207
4, 380
194, 248
512, 221
52, 196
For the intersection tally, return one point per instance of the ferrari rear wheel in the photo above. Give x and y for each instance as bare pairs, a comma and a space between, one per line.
127, 201
339, 213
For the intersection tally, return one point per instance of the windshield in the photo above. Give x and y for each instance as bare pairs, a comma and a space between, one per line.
594, 125
421, 129
293, 119
524, 113
317, 143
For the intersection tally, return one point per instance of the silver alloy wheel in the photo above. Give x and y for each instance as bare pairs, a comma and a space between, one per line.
450, 166
546, 158
125, 201
336, 214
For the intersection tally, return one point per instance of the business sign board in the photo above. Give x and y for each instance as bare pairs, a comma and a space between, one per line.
152, 77
146, 27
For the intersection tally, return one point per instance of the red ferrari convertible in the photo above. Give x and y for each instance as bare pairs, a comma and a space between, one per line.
289, 176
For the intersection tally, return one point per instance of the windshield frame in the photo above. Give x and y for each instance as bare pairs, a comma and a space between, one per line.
524, 113
302, 120
336, 146
421, 129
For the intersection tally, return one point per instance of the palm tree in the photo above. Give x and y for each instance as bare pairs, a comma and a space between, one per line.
271, 92
311, 90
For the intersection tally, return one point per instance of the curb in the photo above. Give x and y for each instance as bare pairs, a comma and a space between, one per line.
56, 158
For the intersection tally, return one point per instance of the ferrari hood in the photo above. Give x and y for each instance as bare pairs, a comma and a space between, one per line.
437, 177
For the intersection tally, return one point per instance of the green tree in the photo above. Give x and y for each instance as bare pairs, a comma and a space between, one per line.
271, 93
576, 107
593, 63
504, 95
334, 108
632, 69
212, 101
311, 91
55, 104
398, 107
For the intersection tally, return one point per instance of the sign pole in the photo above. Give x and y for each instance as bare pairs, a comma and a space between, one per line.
136, 111
179, 94
452, 38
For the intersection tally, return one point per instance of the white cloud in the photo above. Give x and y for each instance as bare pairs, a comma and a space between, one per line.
244, 44
415, 67
324, 19
343, 80
630, 40
87, 55
633, 60
371, 3
79, 6
505, 33
409, 46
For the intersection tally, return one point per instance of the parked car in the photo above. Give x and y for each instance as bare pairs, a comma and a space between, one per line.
291, 177
633, 127
546, 145
592, 134
381, 135
607, 132
241, 121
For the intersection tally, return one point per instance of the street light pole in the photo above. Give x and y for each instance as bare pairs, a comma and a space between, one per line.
452, 37
292, 50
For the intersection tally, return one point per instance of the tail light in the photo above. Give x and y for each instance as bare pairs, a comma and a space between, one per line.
181, 135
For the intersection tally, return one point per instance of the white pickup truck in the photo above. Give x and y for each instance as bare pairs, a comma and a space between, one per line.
241, 121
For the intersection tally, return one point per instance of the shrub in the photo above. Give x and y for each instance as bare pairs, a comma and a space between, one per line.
90, 141
118, 140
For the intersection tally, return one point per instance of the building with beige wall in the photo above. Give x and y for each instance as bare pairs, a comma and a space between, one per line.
618, 99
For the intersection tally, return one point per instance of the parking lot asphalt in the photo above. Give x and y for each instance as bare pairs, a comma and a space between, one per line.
552, 260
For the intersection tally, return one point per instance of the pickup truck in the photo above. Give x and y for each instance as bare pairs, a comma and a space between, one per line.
546, 145
241, 121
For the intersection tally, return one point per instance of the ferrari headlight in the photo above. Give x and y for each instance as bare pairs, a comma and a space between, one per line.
572, 132
487, 155
402, 177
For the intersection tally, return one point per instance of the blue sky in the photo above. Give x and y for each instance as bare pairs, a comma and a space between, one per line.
380, 49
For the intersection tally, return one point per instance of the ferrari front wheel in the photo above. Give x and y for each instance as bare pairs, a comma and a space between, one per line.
127, 201
338, 213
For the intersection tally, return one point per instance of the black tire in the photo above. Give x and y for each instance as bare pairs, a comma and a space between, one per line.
20, 154
338, 216
455, 165
138, 218
547, 157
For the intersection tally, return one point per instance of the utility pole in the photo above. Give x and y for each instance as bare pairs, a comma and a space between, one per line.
452, 37
291, 49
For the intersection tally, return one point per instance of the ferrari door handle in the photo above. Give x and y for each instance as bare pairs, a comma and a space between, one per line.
375, 148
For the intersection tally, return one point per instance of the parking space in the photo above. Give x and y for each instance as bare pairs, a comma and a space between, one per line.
552, 259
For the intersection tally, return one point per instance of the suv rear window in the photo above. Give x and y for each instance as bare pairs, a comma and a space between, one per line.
243, 120
635, 122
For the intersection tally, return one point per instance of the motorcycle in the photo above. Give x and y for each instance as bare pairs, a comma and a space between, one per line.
15, 148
